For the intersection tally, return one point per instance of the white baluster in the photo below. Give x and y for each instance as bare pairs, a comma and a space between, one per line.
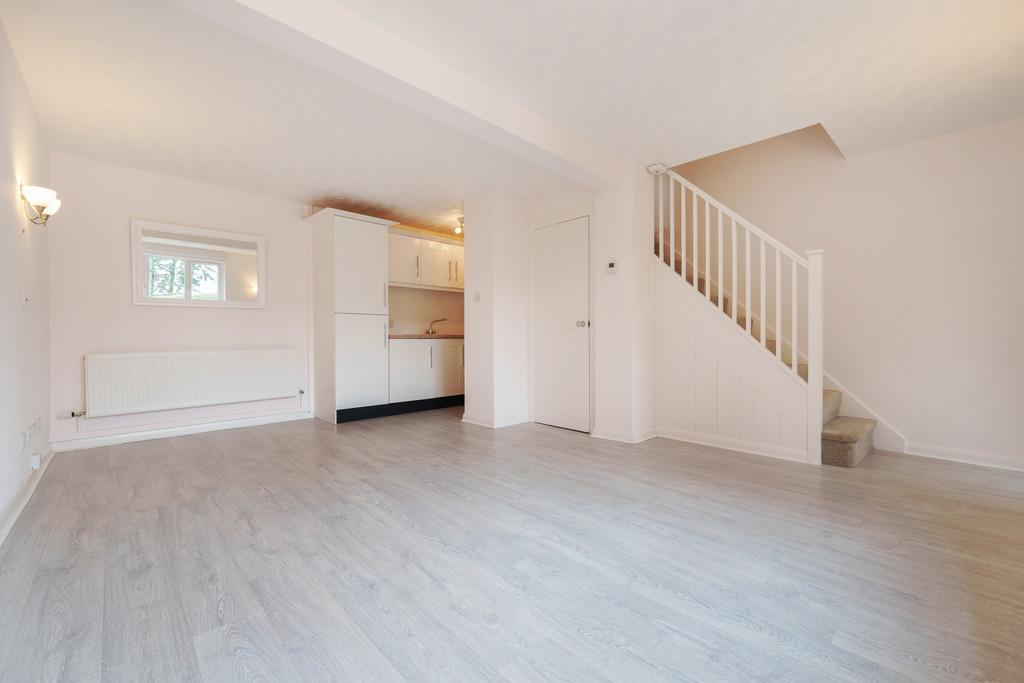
721, 277
815, 351
732, 221
707, 250
695, 225
778, 304
661, 219
746, 279
793, 328
672, 224
761, 310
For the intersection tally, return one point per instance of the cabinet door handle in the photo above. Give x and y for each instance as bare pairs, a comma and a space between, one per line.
449, 271
385, 294
417, 266
431, 349
456, 271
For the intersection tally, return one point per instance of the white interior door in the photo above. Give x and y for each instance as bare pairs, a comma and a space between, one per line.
560, 324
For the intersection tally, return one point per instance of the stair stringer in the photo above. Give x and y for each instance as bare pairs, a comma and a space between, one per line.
718, 387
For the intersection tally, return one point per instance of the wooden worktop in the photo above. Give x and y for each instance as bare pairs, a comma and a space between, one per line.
425, 336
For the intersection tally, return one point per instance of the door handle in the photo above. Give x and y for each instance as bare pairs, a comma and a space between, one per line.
581, 323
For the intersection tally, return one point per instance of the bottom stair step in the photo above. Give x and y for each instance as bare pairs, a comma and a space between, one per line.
846, 440
831, 401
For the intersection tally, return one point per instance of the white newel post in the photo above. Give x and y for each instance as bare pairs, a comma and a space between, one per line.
815, 351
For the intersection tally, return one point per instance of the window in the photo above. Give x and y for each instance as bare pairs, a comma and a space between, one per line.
181, 278
174, 265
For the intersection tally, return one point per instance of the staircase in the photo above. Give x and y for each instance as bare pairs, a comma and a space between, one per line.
774, 295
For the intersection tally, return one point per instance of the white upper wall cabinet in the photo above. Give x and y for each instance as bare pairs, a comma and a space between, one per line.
458, 254
425, 262
361, 266
436, 264
403, 259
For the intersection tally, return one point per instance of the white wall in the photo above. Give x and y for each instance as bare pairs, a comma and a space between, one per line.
23, 270
410, 310
92, 309
497, 311
922, 282
497, 304
623, 320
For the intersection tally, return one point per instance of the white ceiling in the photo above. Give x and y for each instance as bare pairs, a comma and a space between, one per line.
146, 84
676, 80
150, 84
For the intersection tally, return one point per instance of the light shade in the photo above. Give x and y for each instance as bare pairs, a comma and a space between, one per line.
52, 208
39, 196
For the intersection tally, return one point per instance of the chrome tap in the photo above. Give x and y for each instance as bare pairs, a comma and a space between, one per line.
431, 330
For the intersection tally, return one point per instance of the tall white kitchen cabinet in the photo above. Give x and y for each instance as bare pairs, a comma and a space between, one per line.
350, 311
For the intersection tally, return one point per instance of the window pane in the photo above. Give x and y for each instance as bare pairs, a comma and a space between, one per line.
205, 282
165, 277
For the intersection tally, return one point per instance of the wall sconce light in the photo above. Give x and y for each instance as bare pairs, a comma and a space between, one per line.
41, 203
460, 227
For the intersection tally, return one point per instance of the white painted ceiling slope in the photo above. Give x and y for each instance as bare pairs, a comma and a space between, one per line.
147, 84
156, 85
676, 80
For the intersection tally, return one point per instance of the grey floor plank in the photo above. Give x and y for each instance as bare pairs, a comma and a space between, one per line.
421, 548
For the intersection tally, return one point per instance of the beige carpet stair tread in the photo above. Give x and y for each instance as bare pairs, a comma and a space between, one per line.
847, 429
831, 402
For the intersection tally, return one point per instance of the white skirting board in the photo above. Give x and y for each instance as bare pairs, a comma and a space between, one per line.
183, 430
732, 444
623, 437
10, 515
1001, 461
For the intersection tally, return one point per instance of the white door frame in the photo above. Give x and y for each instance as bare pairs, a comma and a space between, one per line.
546, 221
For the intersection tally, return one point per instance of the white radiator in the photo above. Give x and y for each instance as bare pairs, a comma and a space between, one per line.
120, 383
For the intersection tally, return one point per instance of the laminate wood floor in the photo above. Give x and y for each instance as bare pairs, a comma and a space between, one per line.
420, 548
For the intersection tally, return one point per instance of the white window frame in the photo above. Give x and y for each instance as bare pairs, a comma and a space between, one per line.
140, 268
